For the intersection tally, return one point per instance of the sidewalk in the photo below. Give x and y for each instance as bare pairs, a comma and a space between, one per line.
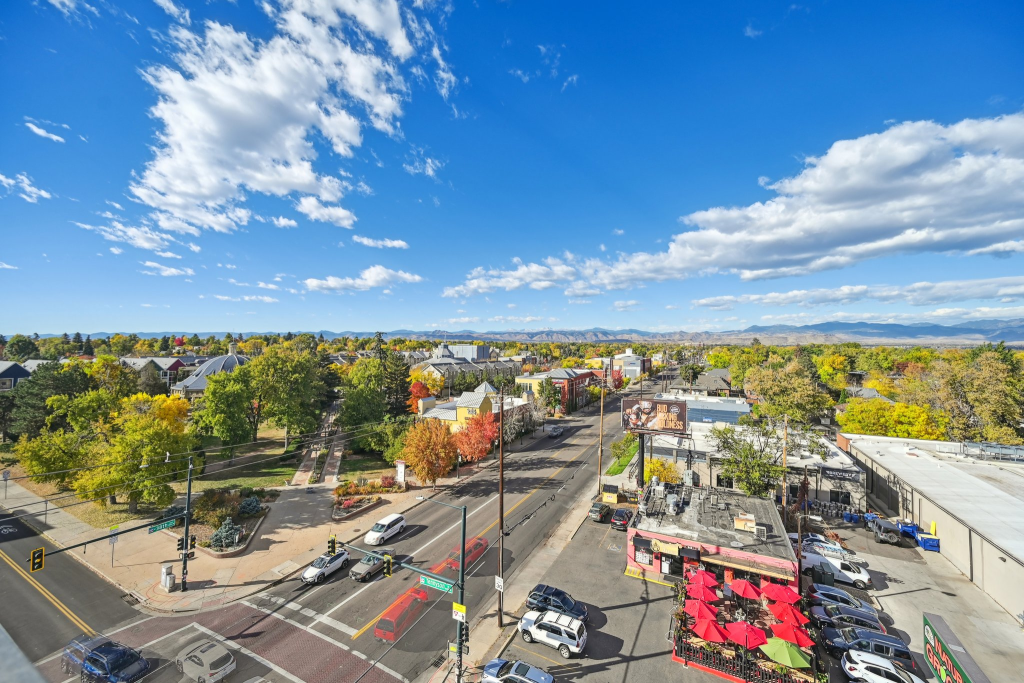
292, 535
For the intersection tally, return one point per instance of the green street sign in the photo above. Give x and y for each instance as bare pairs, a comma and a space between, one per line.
435, 584
162, 525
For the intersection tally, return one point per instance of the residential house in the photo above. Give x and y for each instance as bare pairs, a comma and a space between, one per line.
714, 383
11, 373
456, 413
31, 365
166, 368
194, 385
449, 367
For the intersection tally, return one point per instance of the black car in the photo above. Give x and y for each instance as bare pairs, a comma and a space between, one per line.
840, 616
600, 512
621, 518
544, 598
820, 594
98, 659
838, 641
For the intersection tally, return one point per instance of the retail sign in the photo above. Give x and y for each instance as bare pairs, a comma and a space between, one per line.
654, 415
841, 475
946, 657
664, 547
459, 612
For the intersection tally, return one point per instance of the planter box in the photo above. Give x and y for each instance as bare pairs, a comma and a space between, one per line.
340, 515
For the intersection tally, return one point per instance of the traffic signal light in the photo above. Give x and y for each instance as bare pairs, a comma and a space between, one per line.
192, 542
387, 565
332, 545
181, 544
37, 559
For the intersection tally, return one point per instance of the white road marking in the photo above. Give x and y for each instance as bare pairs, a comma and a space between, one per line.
327, 638
322, 618
246, 651
61, 651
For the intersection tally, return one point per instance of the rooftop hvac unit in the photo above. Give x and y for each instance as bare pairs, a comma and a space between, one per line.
721, 506
761, 531
688, 477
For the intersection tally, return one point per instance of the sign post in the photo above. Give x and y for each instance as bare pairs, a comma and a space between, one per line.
113, 542
7, 475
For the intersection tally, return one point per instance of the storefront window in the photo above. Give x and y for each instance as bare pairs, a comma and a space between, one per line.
644, 556
842, 497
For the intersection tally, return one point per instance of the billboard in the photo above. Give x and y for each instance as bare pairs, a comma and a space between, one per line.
654, 415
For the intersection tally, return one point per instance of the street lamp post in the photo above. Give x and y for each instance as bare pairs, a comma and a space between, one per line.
501, 503
188, 515
460, 630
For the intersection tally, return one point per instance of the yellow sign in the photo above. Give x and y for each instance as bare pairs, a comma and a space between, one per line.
458, 612
664, 547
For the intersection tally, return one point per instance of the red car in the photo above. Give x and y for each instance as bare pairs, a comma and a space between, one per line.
401, 615
475, 548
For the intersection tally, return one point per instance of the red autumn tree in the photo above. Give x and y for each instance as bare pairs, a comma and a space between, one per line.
476, 438
417, 391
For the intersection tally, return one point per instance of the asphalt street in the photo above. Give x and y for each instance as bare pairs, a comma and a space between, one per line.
44, 610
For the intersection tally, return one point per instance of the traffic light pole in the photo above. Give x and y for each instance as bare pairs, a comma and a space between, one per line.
188, 516
501, 506
462, 598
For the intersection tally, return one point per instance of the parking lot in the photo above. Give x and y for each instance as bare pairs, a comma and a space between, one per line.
629, 619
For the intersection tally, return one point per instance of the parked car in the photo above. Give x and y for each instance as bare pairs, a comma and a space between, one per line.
844, 570
886, 532
600, 512
384, 529
475, 547
545, 598
401, 615
205, 661
820, 594
864, 666
366, 568
839, 641
840, 616
503, 671
324, 566
109, 662
555, 432
560, 631
621, 519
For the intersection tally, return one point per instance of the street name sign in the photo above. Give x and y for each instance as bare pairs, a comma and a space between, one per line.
435, 584
162, 525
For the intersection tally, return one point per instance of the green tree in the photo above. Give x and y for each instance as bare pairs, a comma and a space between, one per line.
786, 392
753, 456
388, 437
31, 395
362, 408
229, 408
6, 413
109, 373
20, 348
288, 388
663, 469
549, 395
150, 382
87, 348
900, 420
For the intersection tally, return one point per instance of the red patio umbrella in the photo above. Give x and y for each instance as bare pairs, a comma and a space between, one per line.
744, 589
704, 577
788, 614
742, 633
700, 610
710, 631
701, 592
793, 634
780, 593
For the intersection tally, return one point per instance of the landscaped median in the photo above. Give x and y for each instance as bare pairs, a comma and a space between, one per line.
352, 498
224, 521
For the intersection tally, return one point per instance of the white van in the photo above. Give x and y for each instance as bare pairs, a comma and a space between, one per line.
844, 570
384, 529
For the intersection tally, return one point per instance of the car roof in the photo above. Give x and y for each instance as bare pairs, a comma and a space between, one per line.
390, 518
89, 642
862, 657
560, 619
821, 587
878, 635
854, 612
196, 646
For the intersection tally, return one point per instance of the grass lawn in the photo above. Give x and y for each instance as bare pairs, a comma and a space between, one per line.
257, 475
366, 465
619, 465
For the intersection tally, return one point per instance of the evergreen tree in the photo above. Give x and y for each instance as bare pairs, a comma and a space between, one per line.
194, 340
228, 338
30, 395
150, 382
65, 338
87, 347
165, 344
289, 336
77, 341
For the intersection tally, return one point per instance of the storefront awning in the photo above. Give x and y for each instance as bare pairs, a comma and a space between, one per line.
754, 567
640, 542
689, 553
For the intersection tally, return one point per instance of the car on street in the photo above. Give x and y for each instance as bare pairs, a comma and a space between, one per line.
600, 512
475, 548
820, 594
839, 641
621, 519
324, 566
504, 671
544, 598
840, 616
555, 432
869, 668
367, 568
98, 658
560, 631
384, 529
402, 614
205, 661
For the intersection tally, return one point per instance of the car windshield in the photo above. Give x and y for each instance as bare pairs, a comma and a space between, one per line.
904, 676
320, 562
568, 602
848, 634
367, 559
221, 662
832, 610
505, 668
378, 527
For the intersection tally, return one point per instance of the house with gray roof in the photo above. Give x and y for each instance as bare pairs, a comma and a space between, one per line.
11, 373
195, 384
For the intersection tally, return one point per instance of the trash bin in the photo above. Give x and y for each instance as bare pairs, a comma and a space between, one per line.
823, 576
846, 517
855, 518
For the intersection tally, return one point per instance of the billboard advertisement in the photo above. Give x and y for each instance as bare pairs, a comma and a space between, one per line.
654, 415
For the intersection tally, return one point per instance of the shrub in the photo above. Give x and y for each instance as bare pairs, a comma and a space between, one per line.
215, 506
173, 511
347, 503
225, 536
250, 506
246, 492
387, 481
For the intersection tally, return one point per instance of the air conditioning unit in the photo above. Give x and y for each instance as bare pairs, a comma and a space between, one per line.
688, 477
761, 531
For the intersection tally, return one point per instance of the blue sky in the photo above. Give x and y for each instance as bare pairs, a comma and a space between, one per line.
362, 164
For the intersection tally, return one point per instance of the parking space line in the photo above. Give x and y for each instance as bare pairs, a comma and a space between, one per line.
534, 654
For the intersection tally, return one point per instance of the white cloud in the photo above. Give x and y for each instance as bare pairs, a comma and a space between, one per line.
115, 205
580, 301
165, 271
618, 231
374, 276
314, 210
512, 305
421, 164
1004, 289
380, 244
602, 247
236, 283
580, 288
266, 285
364, 189
195, 248
29, 192
69, 7
515, 318
282, 222
917, 187
463, 320
671, 307
750, 32
116, 250
532, 275
7, 266
42, 133
178, 13
444, 80
167, 254
570, 81
260, 299
138, 237
626, 305
520, 74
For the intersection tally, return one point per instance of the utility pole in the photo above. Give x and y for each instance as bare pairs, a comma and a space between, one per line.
785, 471
600, 437
640, 474
501, 505
799, 538
188, 516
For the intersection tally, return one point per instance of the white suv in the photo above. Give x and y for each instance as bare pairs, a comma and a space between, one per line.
385, 529
324, 566
560, 631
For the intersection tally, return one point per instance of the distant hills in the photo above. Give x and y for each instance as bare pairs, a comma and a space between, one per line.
962, 334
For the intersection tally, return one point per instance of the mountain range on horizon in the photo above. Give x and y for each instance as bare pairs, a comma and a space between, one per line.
961, 334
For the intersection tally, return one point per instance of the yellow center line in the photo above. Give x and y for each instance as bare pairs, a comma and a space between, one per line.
47, 594
509, 511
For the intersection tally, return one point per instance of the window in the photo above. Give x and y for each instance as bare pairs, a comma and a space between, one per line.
794, 491
841, 497
644, 556
882, 650
724, 482
471, 411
